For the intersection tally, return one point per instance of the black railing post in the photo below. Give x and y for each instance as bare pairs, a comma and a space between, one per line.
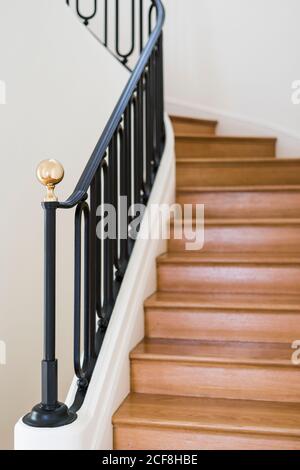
49, 363
50, 412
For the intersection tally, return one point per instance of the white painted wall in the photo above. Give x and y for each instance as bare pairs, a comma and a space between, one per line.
235, 60
59, 93
110, 383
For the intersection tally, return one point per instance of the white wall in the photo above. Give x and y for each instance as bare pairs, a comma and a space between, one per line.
236, 60
60, 93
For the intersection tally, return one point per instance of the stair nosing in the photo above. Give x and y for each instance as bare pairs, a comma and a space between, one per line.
211, 122
244, 188
184, 258
242, 161
226, 429
207, 360
240, 221
153, 303
225, 138
211, 362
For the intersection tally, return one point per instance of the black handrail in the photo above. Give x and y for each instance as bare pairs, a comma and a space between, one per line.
99, 151
119, 174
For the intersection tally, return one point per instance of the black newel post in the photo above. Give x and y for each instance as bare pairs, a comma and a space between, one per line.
50, 412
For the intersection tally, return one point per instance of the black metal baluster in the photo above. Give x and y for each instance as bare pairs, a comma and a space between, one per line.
162, 79
154, 112
114, 166
105, 23
128, 165
123, 229
132, 176
151, 10
136, 150
157, 108
140, 113
114, 192
149, 130
161, 105
125, 55
141, 25
92, 271
86, 18
108, 289
98, 254
82, 372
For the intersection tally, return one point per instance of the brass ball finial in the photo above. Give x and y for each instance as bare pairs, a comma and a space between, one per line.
50, 173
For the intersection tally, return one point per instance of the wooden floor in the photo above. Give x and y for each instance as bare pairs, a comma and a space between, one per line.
214, 371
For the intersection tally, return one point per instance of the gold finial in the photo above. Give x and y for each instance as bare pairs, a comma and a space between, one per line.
50, 173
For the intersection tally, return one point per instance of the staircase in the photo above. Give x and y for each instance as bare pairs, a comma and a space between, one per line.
214, 370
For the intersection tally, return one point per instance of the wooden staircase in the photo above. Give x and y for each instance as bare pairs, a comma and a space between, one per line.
214, 370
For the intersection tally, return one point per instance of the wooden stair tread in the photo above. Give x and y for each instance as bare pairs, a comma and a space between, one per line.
209, 414
191, 258
244, 162
266, 221
206, 145
217, 352
249, 302
245, 188
219, 222
191, 126
247, 201
191, 120
224, 138
207, 171
240, 235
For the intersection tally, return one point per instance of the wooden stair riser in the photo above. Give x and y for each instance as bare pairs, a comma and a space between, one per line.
235, 278
139, 437
193, 126
202, 147
238, 173
241, 237
244, 204
230, 381
226, 325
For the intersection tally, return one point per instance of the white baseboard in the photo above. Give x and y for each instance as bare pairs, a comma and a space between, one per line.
288, 144
110, 383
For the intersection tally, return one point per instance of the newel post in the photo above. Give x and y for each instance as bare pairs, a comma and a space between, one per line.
50, 412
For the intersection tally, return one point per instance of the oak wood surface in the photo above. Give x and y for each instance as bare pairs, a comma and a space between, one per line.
214, 371
190, 126
225, 147
228, 172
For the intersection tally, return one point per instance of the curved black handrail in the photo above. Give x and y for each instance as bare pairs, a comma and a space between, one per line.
100, 149
123, 167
